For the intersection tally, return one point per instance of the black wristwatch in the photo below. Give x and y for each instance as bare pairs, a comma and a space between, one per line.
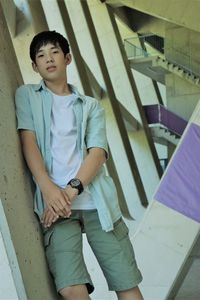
76, 184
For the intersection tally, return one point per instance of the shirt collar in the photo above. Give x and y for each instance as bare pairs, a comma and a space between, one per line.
74, 90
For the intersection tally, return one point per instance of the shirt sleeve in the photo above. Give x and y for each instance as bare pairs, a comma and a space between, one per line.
23, 109
96, 128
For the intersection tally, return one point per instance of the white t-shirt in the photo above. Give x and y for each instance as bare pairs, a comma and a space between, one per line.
66, 159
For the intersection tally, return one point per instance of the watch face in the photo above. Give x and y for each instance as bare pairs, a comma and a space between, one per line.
75, 182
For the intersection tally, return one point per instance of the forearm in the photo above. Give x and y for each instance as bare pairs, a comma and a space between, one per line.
34, 159
91, 165
57, 201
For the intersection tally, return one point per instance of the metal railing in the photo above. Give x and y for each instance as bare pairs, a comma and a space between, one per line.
142, 47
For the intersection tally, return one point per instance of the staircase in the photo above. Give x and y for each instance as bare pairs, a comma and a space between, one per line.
165, 125
156, 67
176, 69
148, 58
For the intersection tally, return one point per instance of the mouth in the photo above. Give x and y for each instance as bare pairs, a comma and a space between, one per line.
51, 68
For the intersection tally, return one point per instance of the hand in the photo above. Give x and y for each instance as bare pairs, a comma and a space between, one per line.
58, 202
48, 218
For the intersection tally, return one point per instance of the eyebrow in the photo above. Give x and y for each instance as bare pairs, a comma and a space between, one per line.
53, 47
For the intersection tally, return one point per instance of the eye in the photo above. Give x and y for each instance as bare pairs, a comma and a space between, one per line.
40, 55
55, 51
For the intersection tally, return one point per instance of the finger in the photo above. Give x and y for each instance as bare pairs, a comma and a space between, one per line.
66, 197
67, 206
60, 205
69, 214
45, 218
49, 218
57, 209
67, 211
44, 215
54, 219
53, 208
64, 211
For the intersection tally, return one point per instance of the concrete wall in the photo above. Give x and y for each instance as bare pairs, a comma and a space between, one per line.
15, 189
182, 46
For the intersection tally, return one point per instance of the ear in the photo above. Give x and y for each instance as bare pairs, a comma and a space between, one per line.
34, 66
68, 58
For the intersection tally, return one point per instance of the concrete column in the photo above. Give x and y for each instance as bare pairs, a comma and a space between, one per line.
15, 192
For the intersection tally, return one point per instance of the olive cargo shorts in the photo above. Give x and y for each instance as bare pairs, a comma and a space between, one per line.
113, 250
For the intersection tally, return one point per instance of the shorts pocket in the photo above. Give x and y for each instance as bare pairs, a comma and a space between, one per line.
47, 238
120, 229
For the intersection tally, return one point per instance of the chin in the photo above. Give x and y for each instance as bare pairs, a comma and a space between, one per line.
51, 78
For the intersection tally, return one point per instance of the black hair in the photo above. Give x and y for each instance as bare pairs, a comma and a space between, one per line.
45, 37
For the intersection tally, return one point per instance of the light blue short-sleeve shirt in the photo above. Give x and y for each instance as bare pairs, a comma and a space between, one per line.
33, 110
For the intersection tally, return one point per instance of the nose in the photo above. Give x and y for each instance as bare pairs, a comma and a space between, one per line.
49, 58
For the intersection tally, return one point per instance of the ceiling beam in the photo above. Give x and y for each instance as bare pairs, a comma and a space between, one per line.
184, 13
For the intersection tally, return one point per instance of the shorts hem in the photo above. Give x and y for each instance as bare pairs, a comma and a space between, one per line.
65, 284
126, 286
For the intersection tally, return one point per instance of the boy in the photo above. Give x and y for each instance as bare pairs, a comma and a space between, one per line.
64, 143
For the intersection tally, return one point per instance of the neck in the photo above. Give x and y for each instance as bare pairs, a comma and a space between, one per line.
60, 88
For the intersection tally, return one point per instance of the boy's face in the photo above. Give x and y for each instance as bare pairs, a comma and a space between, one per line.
51, 63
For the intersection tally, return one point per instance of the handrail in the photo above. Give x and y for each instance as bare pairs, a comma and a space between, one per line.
157, 113
135, 51
144, 40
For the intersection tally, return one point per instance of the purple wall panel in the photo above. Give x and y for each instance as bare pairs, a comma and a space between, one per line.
180, 186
